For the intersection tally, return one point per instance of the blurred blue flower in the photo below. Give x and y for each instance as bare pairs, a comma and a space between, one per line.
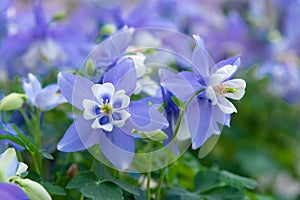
46, 98
285, 80
210, 107
10, 191
3, 18
109, 117
45, 43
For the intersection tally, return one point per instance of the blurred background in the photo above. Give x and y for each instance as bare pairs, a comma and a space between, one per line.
263, 140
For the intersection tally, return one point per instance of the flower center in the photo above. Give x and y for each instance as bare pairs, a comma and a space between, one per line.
222, 89
107, 109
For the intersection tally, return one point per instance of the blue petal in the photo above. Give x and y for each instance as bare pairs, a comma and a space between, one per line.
31, 87
112, 48
49, 97
182, 85
122, 76
75, 88
12, 192
118, 147
198, 115
144, 118
79, 136
201, 59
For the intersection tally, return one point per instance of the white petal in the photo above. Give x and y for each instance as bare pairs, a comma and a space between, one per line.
139, 60
107, 127
225, 105
8, 164
89, 109
210, 94
239, 85
103, 91
21, 168
220, 75
119, 117
120, 100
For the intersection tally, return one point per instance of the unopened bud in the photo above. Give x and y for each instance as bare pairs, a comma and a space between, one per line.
12, 101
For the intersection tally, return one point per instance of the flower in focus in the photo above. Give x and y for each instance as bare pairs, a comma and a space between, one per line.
109, 117
46, 98
211, 107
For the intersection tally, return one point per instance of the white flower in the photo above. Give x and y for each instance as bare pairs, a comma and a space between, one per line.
219, 87
108, 108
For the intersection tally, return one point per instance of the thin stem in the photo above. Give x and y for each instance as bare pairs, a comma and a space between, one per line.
181, 113
148, 185
24, 114
36, 164
70, 157
38, 128
148, 194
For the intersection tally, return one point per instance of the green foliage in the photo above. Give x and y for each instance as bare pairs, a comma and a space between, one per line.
100, 185
212, 184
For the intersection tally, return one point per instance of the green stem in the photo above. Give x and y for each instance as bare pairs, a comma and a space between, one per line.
38, 128
148, 194
69, 158
36, 164
181, 113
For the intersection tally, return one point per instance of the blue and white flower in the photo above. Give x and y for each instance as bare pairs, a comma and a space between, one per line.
109, 116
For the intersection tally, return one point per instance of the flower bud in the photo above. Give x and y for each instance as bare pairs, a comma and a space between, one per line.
108, 29
12, 101
33, 189
90, 67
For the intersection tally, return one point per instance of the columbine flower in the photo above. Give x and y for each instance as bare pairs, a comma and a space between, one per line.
109, 116
46, 98
10, 169
210, 107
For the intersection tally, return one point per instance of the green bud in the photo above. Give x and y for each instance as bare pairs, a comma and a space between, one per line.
12, 101
90, 67
108, 29
59, 16
156, 136
34, 190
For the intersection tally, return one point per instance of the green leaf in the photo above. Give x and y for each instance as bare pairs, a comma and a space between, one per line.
206, 180
237, 181
125, 186
182, 194
81, 180
177, 102
54, 189
47, 155
101, 171
224, 193
103, 191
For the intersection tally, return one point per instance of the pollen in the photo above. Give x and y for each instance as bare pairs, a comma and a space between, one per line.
106, 108
221, 89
